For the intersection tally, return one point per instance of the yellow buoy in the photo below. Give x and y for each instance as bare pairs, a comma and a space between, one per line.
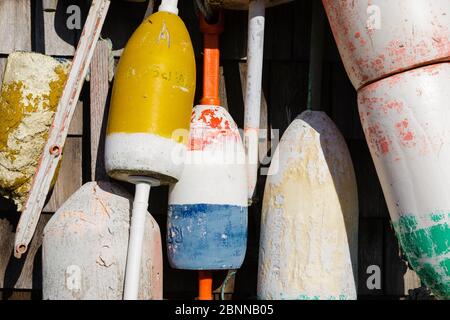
152, 99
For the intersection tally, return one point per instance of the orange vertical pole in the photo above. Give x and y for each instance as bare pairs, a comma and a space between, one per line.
211, 60
211, 76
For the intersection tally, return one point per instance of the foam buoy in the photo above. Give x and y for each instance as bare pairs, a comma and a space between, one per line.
85, 247
151, 102
152, 98
391, 51
383, 37
309, 224
32, 86
85, 242
207, 220
405, 120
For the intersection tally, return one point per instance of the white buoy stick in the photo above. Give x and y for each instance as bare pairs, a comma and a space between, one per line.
255, 54
137, 230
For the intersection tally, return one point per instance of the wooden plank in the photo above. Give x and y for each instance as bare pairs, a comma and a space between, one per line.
16, 295
76, 125
57, 137
15, 26
233, 42
25, 273
288, 92
398, 278
279, 32
59, 40
99, 87
344, 107
370, 194
231, 91
302, 30
370, 248
70, 174
2, 68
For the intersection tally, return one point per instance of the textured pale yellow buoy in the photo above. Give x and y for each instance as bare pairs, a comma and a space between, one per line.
152, 98
32, 86
309, 224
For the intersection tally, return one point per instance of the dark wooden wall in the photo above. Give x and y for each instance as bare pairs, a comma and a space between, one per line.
40, 26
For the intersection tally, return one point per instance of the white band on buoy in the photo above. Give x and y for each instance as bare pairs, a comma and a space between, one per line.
169, 6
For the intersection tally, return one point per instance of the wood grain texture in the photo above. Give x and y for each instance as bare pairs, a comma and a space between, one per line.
371, 198
22, 273
76, 125
70, 174
99, 87
285, 89
15, 26
2, 68
59, 42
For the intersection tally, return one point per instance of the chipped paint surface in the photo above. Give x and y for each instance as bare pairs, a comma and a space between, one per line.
152, 101
207, 219
405, 119
309, 225
426, 243
154, 86
408, 36
206, 236
93, 268
30, 94
131, 154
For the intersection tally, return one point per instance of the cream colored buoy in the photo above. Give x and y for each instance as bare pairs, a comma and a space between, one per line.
32, 86
85, 247
309, 224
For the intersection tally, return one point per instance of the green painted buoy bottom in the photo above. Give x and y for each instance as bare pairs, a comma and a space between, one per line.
425, 242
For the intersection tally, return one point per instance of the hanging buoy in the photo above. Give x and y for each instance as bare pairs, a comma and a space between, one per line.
391, 51
152, 98
405, 119
85, 242
151, 103
32, 86
309, 224
207, 220
85, 247
377, 38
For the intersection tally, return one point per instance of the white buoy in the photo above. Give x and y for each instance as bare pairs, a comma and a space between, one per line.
405, 119
85, 247
309, 224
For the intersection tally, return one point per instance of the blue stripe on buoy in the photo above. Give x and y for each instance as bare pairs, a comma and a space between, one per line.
206, 236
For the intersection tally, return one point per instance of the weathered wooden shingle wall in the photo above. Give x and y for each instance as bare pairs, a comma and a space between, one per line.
28, 25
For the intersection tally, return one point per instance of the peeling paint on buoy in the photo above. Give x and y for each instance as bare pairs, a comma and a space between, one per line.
377, 38
309, 224
32, 86
405, 119
207, 221
85, 247
152, 98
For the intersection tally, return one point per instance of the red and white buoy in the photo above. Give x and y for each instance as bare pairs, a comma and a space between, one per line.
405, 119
392, 51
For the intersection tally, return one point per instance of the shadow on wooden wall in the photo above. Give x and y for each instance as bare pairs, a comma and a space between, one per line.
285, 92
